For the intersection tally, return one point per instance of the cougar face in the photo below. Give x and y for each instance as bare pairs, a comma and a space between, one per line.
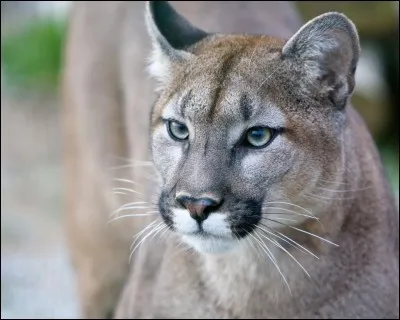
244, 123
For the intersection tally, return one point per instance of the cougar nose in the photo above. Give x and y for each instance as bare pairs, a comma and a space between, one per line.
199, 208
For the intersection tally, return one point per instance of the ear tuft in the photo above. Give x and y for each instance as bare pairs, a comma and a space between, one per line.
327, 49
171, 35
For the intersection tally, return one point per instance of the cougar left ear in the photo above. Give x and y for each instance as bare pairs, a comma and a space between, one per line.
327, 49
171, 34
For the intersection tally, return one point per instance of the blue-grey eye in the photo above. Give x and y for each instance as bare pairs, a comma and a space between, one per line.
177, 130
258, 136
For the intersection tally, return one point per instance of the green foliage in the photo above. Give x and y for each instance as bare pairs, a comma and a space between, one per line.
32, 58
390, 159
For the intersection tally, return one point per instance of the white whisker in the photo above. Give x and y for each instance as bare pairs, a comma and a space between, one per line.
298, 244
269, 76
127, 189
333, 182
291, 204
155, 229
326, 198
163, 227
164, 233
343, 191
291, 211
295, 245
130, 160
298, 213
129, 208
279, 218
265, 248
133, 203
252, 54
126, 180
137, 236
309, 233
270, 252
252, 245
282, 248
132, 165
132, 215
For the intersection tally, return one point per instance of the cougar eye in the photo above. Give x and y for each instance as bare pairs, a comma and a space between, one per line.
258, 136
177, 130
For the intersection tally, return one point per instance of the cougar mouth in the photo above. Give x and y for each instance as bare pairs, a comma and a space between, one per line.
204, 234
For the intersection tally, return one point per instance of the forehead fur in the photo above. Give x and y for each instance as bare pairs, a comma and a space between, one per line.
219, 63
311, 74
246, 70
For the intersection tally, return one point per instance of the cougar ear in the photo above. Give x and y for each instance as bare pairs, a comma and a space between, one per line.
327, 50
171, 34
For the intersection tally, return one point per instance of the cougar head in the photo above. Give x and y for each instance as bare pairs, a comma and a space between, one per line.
246, 127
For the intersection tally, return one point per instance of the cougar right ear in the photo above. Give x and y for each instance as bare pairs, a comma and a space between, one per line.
171, 34
327, 49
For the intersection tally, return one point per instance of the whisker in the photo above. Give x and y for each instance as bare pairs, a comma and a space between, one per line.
282, 248
269, 76
132, 215
291, 211
119, 192
133, 203
127, 189
128, 208
142, 163
164, 233
343, 191
305, 215
150, 177
119, 157
270, 252
333, 182
252, 53
129, 160
131, 165
137, 236
249, 242
309, 233
155, 229
162, 228
295, 245
326, 198
290, 255
279, 218
271, 257
126, 180
291, 204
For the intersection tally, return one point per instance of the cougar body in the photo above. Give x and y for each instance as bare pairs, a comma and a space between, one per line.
263, 171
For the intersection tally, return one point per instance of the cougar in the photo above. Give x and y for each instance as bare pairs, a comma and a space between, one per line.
265, 196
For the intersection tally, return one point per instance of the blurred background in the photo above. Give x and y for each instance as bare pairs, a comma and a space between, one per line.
36, 276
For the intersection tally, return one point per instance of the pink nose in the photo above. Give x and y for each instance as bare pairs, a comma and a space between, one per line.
199, 209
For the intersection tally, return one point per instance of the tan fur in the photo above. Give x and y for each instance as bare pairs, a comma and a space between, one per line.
107, 100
